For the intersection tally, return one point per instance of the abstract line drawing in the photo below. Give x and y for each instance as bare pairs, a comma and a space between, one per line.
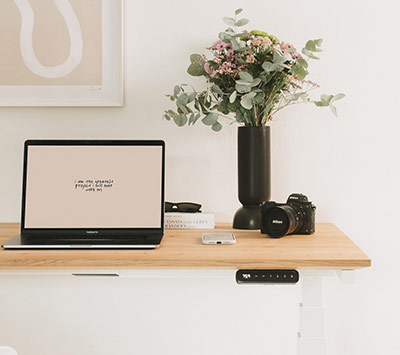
26, 42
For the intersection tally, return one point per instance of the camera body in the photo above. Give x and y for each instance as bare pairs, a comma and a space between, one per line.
296, 216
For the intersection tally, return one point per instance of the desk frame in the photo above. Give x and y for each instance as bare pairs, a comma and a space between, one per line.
311, 336
182, 255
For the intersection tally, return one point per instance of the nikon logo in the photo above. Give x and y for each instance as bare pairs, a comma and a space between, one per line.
277, 221
92, 232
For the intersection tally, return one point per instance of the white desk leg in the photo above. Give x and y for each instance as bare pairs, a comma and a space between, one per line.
312, 340
347, 276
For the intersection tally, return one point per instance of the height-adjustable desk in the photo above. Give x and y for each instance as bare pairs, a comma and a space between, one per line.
181, 251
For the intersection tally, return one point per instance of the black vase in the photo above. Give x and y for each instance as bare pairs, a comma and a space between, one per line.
254, 173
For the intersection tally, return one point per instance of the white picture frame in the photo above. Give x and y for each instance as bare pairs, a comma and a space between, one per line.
111, 90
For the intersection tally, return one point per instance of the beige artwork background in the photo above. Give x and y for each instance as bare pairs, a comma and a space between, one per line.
51, 43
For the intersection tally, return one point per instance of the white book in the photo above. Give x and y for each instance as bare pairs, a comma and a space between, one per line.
177, 220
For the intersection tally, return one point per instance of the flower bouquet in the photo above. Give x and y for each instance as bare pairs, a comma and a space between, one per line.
250, 77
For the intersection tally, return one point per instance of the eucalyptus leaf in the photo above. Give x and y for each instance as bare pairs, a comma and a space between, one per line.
311, 46
299, 71
269, 67
182, 108
255, 82
232, 98
318, 42
242, 89
216, 89
242, 49
223, 107
242, 45
242, 22
216, 127
183, 99
195, 58
239, 35
239, 116
326, 99
196, 117
171, 113
167, 117
210, 119
225, 37
195, 69
191, 118
279, 57
246, 76
238, 11
308, 53
303, 96
180, 120
235, 44
177, 90
229, 21
338, 97
192, 96
247, 100
303, 62
333, 109
259, 98
243, 82
232, 107
247, 104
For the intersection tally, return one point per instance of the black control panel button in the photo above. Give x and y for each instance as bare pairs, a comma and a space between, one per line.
267, 276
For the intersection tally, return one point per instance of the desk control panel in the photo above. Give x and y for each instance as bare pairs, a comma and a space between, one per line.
267, 276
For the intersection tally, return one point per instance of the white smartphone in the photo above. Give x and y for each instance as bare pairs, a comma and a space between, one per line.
218, 238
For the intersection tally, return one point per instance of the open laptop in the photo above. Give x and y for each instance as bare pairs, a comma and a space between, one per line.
92, 194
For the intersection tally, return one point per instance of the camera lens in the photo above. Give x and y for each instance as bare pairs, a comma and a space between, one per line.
279, 221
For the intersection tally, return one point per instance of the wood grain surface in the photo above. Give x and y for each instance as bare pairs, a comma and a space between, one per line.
328, 248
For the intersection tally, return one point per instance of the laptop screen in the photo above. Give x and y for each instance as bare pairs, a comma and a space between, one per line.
94, 186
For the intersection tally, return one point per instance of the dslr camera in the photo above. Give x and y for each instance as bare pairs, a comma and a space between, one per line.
296, 216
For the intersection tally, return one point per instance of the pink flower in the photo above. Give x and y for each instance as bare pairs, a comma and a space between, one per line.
284, 46
230, 53
267, 42
207, 68
256, 41
296, 55
220, 45
251, 58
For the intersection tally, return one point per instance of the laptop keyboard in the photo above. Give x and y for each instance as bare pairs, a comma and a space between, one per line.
97, 237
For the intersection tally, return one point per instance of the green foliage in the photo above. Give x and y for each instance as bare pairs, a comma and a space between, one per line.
250, 77
299, 71
247, 100
242, 22
311, 47
328, 100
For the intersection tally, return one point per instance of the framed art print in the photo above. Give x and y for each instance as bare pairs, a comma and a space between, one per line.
61, 53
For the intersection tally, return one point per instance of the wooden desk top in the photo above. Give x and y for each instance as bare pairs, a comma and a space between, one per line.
328, 248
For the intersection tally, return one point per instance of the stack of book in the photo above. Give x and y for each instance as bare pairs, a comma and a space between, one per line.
178, 220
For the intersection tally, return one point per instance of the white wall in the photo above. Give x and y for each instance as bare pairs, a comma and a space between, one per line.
348, 166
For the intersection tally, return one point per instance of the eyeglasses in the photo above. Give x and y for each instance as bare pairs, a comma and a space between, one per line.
185, 207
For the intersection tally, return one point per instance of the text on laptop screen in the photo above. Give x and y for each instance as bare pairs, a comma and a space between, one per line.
93, 186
